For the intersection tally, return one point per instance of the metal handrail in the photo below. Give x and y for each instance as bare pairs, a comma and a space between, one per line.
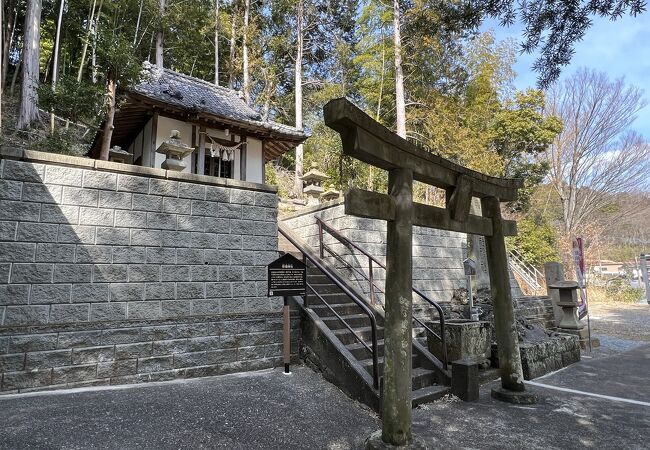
338, 316
532, 270
371, 259
530, 274
347, 291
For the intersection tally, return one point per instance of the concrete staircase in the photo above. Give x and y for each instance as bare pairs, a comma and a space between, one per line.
337, 336
425, 379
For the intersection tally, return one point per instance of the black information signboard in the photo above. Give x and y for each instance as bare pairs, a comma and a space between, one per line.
287, 275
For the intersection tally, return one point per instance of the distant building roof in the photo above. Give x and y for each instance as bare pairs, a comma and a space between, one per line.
193, 99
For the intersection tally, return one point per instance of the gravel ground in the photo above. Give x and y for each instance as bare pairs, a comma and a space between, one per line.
625, 321
619, 327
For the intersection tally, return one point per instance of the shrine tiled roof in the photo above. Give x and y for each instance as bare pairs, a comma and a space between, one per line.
193, 94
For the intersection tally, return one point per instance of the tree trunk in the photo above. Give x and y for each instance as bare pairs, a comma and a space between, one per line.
94, 48
84, 51
107, 133
298, 97
7, 42
159, 37
216, 43
371, 184
28, 111
137, 25
247, 87
400, 103
55, 65
231, 77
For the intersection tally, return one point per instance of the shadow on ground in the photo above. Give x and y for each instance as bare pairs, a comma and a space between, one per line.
261, 410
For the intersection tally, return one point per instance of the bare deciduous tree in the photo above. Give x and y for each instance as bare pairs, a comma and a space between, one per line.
597, 155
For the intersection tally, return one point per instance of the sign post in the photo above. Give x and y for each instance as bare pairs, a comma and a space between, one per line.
643, 262
287, 276
469, 265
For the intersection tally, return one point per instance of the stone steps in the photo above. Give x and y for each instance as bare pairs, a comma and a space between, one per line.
424, 384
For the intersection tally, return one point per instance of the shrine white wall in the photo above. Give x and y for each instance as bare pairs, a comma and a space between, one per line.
141, 146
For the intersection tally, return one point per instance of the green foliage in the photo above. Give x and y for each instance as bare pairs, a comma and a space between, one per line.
117, 58
79, 102
552, 28
63, 142
618, 291
520, 134
536, 241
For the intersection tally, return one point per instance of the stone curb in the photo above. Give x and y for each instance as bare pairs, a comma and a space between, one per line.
108, 166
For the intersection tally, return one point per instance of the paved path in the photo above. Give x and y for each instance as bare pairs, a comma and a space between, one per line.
260, 410
625, 375
560, 420
268, 410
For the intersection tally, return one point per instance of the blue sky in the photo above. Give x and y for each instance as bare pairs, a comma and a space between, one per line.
620, 49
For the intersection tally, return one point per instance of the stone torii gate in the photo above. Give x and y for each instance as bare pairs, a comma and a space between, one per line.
370, 142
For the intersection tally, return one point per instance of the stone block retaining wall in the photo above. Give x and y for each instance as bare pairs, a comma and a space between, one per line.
437, 255
113, 273
540, 358
538, 309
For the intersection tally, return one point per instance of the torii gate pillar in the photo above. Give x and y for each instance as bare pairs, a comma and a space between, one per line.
396, 411
512, 378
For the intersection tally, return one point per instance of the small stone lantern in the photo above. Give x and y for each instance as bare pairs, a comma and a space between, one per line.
313, 180
116, 154
569, 304
175, 150
330, 194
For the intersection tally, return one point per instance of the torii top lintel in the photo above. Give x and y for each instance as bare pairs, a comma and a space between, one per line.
367, 140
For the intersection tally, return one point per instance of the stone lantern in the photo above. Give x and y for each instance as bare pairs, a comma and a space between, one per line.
116, 154
330, 194
313, 184
175, 150
569, 304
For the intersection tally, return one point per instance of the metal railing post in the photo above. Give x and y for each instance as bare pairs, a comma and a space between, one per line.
304, 261
372, 262
320, 239
372, 285
375, 356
